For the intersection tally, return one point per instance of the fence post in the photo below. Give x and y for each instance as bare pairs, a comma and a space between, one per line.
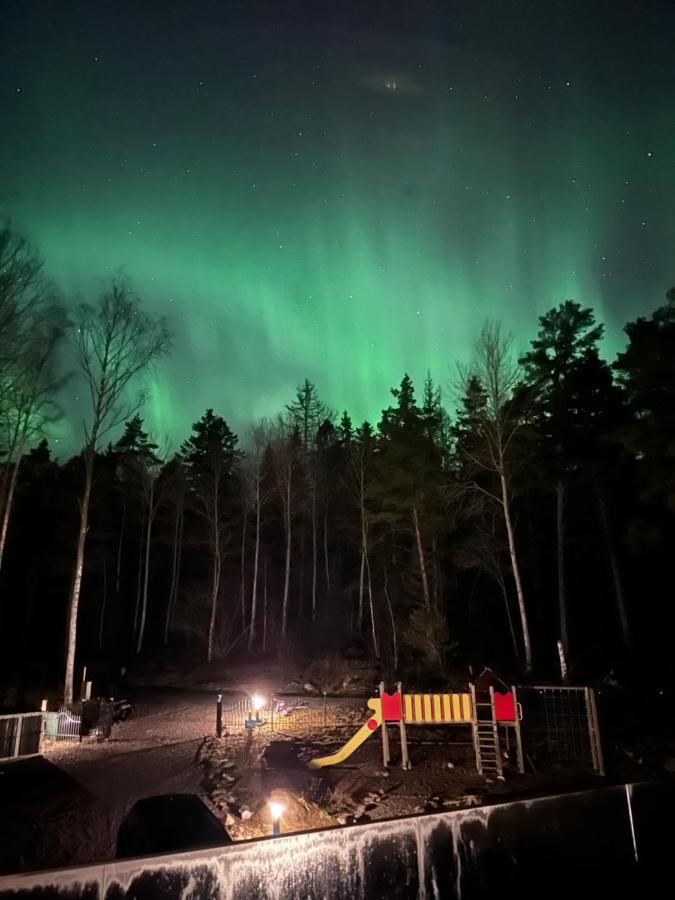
594, 731
219, 715
17, 736
325, 712
272, 713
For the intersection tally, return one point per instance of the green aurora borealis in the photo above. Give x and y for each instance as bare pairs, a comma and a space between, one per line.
339, 199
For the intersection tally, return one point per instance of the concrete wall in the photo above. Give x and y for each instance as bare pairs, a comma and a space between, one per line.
611, 842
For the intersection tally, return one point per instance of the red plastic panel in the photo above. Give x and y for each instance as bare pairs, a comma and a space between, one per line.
391, 707
505, 707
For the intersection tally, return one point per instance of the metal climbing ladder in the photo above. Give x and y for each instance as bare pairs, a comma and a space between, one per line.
486, 735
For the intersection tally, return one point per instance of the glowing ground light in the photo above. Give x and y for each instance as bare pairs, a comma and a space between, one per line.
276, 810
258, 702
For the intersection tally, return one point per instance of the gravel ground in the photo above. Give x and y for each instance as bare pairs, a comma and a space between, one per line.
65, 807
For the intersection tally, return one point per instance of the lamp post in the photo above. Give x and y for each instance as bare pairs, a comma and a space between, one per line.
258, 703
276, 809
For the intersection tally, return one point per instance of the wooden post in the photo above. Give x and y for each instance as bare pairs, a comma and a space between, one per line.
405, 759
516, 726
385, 736
219, 715
17, 736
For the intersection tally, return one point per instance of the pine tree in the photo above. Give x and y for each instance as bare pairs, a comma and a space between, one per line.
563, 354
210, 455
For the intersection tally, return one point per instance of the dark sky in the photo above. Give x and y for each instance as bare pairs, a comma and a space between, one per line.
340, 191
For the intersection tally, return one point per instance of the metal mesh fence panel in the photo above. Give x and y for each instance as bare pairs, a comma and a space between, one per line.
558, 726
293, 714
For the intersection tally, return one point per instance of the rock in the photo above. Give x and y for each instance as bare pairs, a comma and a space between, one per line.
450, 765
471, 799
419, 808
383, 773
309, 687
245, 813
451, 804
342, 820
226, 764
359, 811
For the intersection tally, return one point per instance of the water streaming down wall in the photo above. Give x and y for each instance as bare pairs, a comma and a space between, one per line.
610, 842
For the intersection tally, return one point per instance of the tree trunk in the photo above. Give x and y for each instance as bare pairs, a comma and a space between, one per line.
103, 604
139, 589
175, 567
119, 545
616, 573
314, 550
507, 607
325, 551
215, 583
7, 511
256, 555
516, 572
422, 563
242, 572
264, 635
146, 576
364, 551
287, 565
74, 599
394, 638
376, 649
562, 596
436, 573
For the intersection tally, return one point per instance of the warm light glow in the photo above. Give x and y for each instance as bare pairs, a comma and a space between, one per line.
257, 701
276, 809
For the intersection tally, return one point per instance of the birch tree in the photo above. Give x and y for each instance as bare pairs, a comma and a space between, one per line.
494, 379
115, 341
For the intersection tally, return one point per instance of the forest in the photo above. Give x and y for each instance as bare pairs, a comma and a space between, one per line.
517, 513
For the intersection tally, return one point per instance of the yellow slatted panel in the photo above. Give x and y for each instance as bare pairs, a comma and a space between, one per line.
418, 708
447, 708
466, 707
437, 711
426, 700
456, 708
408, 714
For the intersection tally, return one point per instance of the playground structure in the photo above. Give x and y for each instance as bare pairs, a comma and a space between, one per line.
484, 709
542, 725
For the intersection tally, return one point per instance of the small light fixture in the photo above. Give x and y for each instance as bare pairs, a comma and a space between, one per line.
276, 809
258, 702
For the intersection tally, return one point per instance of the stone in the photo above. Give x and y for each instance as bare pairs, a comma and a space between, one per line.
309, 687
450, 765
245, 813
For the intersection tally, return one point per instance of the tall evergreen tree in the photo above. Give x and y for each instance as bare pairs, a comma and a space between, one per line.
209, 456
557, 367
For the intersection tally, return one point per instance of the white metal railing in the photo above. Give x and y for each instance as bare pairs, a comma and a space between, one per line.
20, 734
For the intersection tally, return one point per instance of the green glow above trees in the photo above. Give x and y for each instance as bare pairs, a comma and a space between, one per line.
295, 219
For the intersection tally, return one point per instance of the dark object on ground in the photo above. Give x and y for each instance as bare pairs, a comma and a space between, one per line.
166, 824
97, 718
122, 710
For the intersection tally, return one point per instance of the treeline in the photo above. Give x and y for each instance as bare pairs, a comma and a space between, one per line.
528, 526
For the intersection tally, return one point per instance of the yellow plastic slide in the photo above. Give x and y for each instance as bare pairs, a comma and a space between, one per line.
355, 741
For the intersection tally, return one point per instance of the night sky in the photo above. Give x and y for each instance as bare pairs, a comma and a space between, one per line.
340, 191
